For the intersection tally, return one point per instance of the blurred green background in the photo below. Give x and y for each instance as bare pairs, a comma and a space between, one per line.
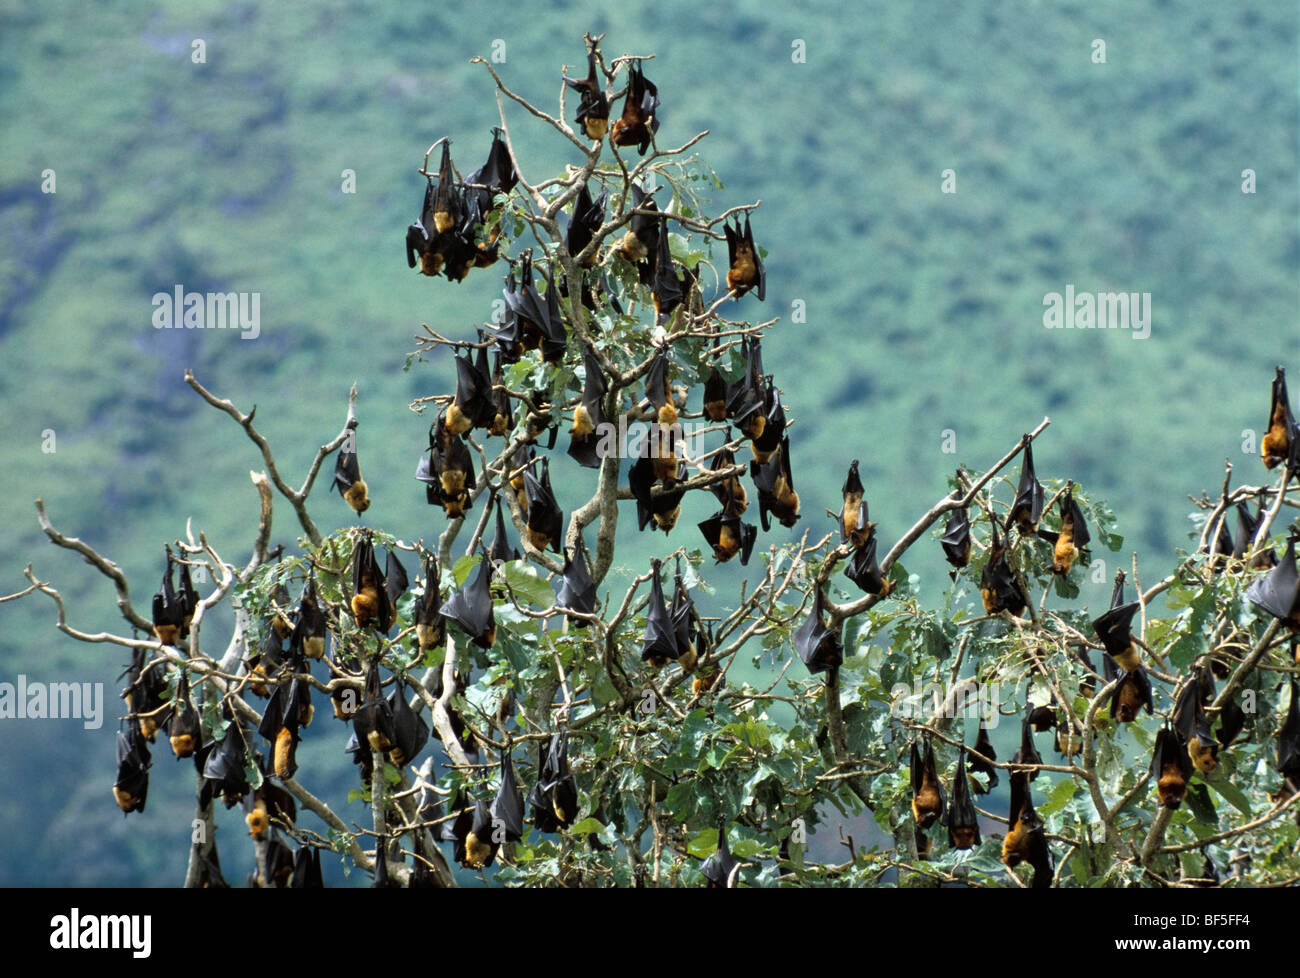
924, 309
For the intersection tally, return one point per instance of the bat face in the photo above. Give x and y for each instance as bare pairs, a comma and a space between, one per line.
471, 607
744, 267
818, 646
729, 535
1072, 537
1028, 504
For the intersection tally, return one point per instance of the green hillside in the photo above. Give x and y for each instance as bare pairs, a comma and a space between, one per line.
924, 309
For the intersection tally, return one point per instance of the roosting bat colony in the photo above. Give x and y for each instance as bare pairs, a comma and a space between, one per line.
605, 324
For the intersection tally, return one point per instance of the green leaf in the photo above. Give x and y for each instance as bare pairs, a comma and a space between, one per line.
529, 588
1059, 796
1232, 794
460, 570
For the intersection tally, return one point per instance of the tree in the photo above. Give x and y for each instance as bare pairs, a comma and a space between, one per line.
644, 761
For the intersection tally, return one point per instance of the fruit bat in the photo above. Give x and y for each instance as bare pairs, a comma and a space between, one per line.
1114, 627
471, 608
593, 106
638, 123
729, 492
555, 338
1232, 718
473, 406
961, 819
347, 473
429, 627
306, 870
503, 418
658, 390
744, 266
224, 769
683, 614
374, 595
1028, 753
496, 176
641, 240
131, 788
817, 645
475, 847
1070, 540
507, 808
588, 216
1170, 767
144, 693
775, 485
659, 644
1247, 526
773, 426
1132, 693
589, 416
956, 539
1028, 504
446, 201
665, 506
710, 676
422, 236
854, 527
410, 732
1025, 840
542, 419
729, 535
545, 519
747, 395
447, 470
362, 756
1278, 591
500, 550
172, 608
373, 720
1288, 741
520, 463
999, 587
383, 880
1193, 728
928, 799
554, 800
717, 869
984, 746
1275, 447
311, 627
863, 570
267, 662
577, 589
667, 290
1041, 718
715, 396
183, 730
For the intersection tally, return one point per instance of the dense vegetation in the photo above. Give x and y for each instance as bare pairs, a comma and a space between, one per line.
924, 309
